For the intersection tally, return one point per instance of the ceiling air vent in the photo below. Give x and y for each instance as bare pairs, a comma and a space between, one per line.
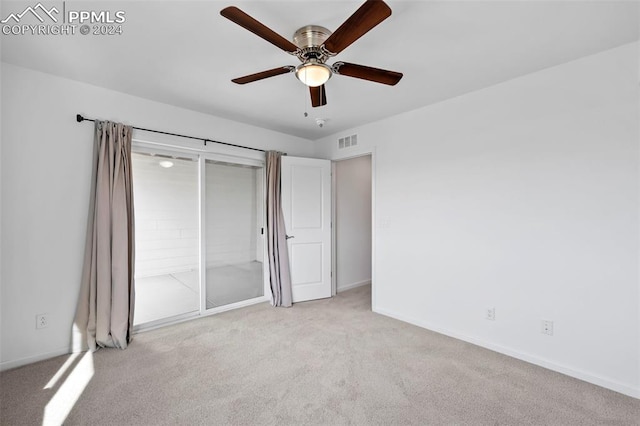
347, 141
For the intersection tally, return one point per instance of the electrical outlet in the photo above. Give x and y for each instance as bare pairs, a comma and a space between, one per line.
547, 327
491, 314
42, 321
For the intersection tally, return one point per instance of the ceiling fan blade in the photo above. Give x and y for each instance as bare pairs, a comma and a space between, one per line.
318, 96
370, 14
234, 14
264, 74
367, 73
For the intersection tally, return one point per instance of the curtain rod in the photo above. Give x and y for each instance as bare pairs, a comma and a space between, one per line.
80, 119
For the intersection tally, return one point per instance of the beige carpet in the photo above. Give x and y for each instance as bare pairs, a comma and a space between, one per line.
326, 362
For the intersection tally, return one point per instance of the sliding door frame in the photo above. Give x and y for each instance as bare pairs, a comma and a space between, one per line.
255, 159
149, 149
202, 174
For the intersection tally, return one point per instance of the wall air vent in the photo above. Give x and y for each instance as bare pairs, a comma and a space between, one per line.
347, 141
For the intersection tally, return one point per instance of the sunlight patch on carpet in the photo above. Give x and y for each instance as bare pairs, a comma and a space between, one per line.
69, 392
61, 371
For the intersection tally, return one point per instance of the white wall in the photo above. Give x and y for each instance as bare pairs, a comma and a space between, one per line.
523, 197
46, 169
166, 215
231, 214
353, 222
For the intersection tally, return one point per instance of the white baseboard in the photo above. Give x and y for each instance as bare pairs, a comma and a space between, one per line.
7, 365
533, 359
346, 287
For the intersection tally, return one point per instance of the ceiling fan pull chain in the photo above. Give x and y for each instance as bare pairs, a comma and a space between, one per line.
305, 97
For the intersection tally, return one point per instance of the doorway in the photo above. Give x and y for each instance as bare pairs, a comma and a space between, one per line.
352, 223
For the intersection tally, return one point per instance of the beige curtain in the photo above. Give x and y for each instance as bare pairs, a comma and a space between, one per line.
279, 274
105, 307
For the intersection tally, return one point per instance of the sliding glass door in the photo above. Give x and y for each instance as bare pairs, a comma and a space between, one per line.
166, 227
233, 223
199, 240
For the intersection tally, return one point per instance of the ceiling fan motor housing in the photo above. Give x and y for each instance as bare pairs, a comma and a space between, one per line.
310, 36
309, 40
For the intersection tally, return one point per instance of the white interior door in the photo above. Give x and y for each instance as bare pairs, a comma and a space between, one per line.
306, 205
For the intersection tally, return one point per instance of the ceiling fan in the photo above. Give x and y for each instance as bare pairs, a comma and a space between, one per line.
314, 45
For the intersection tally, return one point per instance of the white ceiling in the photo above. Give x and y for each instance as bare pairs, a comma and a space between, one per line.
184, 53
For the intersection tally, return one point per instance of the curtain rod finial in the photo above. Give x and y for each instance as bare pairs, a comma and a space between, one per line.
79, 118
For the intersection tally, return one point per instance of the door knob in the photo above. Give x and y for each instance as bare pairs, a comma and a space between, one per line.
289, 236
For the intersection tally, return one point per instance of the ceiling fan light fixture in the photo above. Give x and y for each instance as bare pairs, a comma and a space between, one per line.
313, 74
